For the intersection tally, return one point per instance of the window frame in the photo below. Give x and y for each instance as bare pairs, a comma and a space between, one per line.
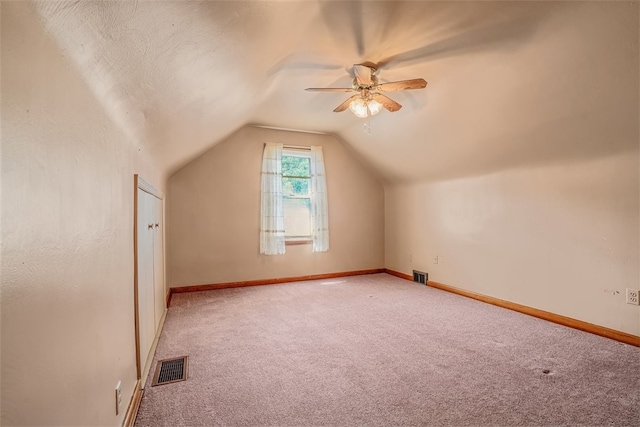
306, 153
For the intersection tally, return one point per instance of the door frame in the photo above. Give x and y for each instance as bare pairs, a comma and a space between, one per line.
140, 184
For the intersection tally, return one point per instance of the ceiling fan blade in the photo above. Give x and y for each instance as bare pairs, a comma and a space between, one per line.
302, 61
498, 32
386, 102
345, 104
346, 22
363, 74
331, 89
401, 85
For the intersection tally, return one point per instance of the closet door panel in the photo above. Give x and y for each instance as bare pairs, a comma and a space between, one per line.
158, 257
145, 276
149, 202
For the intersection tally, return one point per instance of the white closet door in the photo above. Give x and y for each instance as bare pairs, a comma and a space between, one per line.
158, 270
146, 309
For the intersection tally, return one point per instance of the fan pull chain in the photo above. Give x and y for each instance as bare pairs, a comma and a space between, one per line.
367, 126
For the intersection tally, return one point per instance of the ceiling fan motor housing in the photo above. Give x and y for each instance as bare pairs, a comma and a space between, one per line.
358, 86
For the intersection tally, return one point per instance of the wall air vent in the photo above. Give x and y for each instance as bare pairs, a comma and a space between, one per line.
420, 277
171, 370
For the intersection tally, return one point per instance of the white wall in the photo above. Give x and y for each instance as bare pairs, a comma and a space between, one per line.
562, 238
543, 211
213, 214
67, 238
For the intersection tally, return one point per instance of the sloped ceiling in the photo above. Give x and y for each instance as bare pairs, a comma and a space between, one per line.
510, 83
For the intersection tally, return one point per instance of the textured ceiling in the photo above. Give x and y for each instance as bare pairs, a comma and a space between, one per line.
511, 84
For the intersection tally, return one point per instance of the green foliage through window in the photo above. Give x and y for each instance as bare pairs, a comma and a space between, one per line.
295, 176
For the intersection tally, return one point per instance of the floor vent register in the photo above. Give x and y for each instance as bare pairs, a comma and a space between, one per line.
420, 277
171, 370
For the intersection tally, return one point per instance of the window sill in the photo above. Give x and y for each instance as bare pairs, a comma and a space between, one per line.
298, 242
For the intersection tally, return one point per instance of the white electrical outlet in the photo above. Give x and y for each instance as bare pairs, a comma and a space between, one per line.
435, 259
632, 296
118, 396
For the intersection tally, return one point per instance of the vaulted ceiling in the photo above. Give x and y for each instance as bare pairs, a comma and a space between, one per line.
511, 84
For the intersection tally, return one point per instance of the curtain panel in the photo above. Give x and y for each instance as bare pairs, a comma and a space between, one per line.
271, 210
319, 205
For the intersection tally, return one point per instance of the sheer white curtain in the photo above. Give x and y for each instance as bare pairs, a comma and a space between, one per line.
271, 211
319, 206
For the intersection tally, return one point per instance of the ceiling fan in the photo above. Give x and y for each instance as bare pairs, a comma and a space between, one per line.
370, 100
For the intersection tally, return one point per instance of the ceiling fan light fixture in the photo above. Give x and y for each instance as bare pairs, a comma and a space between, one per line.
359, 108
374, 107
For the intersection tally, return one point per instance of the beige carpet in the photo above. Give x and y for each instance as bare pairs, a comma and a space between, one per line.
380, 351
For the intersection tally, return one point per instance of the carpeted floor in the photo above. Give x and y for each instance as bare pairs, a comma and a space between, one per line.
381, 351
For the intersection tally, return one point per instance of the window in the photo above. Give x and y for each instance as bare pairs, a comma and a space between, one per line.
293, 199
296, 195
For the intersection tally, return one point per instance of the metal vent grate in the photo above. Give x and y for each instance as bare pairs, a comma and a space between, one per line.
420, 277
171, 370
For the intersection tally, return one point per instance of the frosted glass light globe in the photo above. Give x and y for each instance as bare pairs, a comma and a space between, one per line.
359, 108
374, 107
